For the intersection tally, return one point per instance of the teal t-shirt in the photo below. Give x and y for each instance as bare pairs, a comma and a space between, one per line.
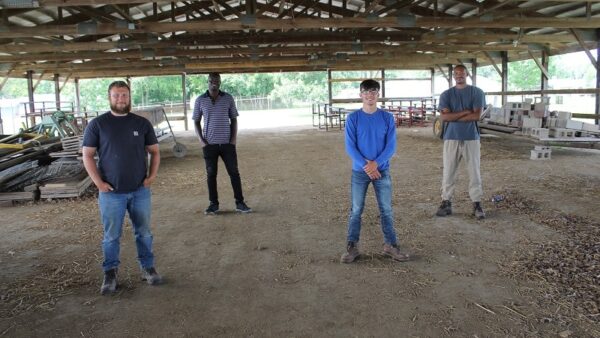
457, 100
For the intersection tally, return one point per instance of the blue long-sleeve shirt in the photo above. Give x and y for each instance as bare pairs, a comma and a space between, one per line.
370, 137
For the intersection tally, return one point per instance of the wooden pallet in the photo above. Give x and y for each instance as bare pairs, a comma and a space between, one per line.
66, 188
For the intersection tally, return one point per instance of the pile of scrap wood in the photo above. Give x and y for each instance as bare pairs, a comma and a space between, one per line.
64, 177
71, 147
66, 187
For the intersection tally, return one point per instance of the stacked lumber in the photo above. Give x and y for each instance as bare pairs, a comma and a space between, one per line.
17, 196
66, 187
71, 147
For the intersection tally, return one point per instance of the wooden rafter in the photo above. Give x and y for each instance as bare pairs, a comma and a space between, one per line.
493, 63
585, 49
304, 23
539, 64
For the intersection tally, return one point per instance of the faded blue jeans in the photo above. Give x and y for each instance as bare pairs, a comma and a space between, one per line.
383, 193
112, 213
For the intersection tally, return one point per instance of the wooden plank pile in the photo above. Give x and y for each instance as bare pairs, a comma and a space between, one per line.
71, 147
66, 187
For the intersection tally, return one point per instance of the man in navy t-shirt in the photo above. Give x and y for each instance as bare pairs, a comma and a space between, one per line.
460, 108
371, 143
122, 141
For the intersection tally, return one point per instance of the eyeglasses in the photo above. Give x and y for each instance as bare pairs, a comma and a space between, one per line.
369, 91
117, 95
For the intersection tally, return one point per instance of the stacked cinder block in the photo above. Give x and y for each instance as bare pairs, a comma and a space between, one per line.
562, 133
539, 133
541, 153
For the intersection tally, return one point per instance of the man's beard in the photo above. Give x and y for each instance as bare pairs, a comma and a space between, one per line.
123, 111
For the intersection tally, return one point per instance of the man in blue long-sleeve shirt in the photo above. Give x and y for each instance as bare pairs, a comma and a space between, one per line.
371, 143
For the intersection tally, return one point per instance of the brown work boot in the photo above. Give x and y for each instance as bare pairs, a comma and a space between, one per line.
351, 253
394, 252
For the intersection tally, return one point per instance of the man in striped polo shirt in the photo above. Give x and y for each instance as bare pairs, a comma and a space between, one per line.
218, 139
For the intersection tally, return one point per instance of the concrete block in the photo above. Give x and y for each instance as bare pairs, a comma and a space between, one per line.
551, 122
562, 133
576, 125
533, 122
540, 133
541, 154
513, 105
526, 130
589, 127
561, 123
564, 115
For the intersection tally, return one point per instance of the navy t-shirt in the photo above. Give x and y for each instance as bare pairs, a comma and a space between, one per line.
120, 142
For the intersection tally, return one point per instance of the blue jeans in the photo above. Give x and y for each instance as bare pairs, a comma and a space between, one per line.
383, 193
112, 213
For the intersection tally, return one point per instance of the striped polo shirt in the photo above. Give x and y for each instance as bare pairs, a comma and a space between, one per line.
217, 115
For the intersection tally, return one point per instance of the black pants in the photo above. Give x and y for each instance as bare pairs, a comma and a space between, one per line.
229, 156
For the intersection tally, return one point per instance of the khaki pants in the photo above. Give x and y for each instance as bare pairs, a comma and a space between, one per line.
454, 151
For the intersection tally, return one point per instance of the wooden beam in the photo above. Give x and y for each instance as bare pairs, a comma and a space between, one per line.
443, 73
65, 82
215, 52
540, 66
289, 37
6, 77
585, 49
67, 3
547, 92
299, 23
493, 63
38, 80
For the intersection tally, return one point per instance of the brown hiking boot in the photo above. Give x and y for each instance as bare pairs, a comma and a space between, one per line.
394, 252
351, 253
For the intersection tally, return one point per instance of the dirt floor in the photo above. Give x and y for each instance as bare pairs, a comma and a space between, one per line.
530, 270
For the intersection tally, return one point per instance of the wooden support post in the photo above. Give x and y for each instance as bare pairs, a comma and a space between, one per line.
504, 75
450, 70
57, 91
329, 93
184, 91
546, 75
30, 93
383, 84
597, 76
474, 71
77, 96
432, 79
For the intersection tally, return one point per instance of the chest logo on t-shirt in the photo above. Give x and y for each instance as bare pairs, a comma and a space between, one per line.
135, 133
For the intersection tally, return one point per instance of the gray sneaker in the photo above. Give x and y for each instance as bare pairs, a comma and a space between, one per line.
109, 284
351, 253
394, 252
445, 209
478, 211
151, 276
